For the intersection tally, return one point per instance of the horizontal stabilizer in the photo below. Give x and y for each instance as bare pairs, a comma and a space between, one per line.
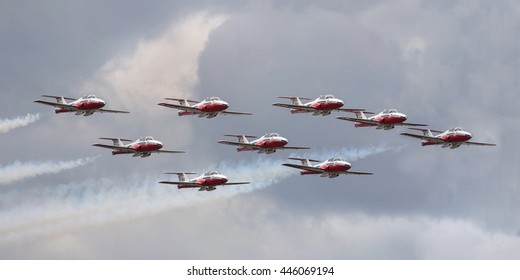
294, 97
181, 99
311, 160
107, 138
240, 135
353, 110
55, 96
423, 129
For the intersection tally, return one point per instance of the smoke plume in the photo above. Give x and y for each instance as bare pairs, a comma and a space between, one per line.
72, 206
9, 124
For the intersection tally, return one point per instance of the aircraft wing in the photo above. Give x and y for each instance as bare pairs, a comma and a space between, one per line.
365, 121
111, 111
252, 146
56, 104
180, 107
304, 167
358, 173
233, 113
424, 137
167, 152
292, 106
183, 184
293, 148
411, 124
479, 144
352, 110
119, 148
236, 183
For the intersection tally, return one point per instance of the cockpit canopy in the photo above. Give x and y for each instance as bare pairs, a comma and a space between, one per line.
146, 138
334, 159
327, 96
211, 173
389, 111
269, 135
455, 129
212, 99
90, 96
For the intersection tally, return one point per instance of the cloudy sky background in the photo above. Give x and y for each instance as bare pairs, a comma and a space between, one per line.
448, 63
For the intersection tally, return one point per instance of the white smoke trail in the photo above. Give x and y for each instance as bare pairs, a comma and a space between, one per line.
22, 170
9, 124
71, 207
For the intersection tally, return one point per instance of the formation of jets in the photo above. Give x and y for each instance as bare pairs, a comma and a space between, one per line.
267, 144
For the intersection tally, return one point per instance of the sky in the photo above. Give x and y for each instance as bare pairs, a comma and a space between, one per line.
444, 63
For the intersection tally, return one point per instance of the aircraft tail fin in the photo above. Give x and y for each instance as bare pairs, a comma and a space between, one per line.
60, 99
295, 99
360, 115
182, 175
426, 132
305, 161
182, 101
116, 141
241, 137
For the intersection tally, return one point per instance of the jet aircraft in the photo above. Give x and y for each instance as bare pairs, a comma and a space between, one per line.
207, 108
452, 138
323, 105
205, 182
142, 147
331, 168
86, 105
388, 119
267, 144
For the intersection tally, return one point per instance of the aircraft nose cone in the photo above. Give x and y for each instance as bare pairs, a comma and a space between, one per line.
225, 104
284, 140
160, 144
